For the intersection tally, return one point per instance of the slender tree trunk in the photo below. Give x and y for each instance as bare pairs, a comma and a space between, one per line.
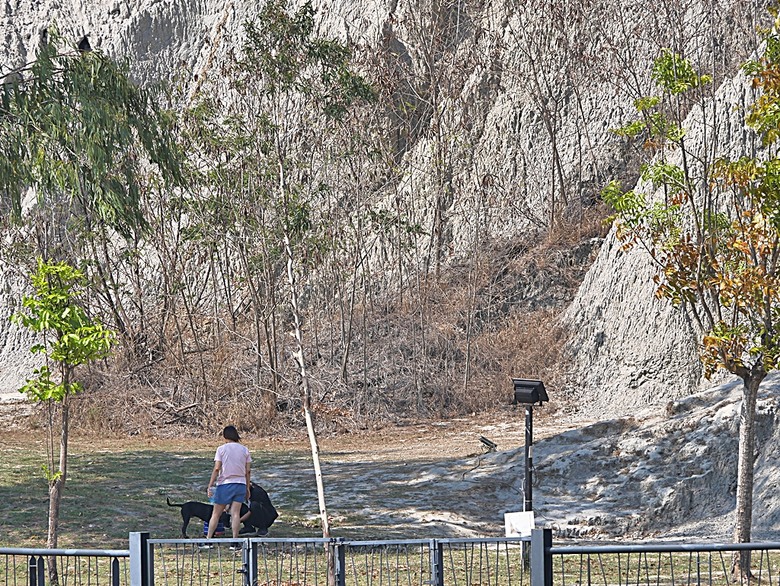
743, 513
347, 341
56, 486
300, 358
256, 305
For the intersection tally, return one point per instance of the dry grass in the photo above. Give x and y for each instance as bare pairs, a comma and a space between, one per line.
443, 347
120, 485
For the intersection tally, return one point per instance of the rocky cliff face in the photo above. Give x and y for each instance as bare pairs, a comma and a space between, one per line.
524, 95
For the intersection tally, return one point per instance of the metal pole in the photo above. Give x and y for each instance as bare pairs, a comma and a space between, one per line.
436, 552
541, 558
529, 461
141, 573
341, 561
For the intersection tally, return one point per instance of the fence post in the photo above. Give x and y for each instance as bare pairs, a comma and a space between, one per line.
437, 562
140, 564
251, 550
340, 557
541, 558
37, 573
115, 572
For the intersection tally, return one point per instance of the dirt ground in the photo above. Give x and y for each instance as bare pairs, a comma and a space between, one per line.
431, 478
458, 437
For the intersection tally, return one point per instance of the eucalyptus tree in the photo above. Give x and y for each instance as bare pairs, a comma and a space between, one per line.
79, 142
714, 237
266, 143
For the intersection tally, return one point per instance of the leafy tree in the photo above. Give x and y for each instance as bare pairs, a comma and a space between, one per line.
70, 337
79, 141
296, 65
290, 90
715, 239
82, 138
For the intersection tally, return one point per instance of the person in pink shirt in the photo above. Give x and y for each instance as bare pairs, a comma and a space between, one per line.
229, 483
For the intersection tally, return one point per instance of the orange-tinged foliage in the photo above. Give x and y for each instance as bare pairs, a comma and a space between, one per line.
720, 261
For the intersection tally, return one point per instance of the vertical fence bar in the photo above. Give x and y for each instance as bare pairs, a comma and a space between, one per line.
252, 570
437, 562
33, 571
41, 571
115, 572
340, 558
141, 571
541, 558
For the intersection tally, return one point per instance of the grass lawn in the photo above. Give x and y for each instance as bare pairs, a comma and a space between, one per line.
118, 486
404, 482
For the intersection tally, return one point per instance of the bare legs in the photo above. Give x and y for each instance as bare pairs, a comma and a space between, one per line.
235, 518
215, 515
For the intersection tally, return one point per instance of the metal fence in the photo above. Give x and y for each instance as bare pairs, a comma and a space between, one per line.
66, 567
533, 561
659, 564
237, 562
305, 562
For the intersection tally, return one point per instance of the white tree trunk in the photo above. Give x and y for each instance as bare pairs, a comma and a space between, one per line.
300, 358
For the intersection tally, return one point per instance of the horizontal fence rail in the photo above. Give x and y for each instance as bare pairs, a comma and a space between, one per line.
64, 567
658, 564
306, 562
530, 561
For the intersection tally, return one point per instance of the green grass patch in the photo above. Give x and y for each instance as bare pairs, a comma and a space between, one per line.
113, 489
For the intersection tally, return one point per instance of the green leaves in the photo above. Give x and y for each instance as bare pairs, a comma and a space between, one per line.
74, 124
723, 347
764, 113
278, 46
676, 75
661, 173
282, 55
72, 337
715, 235
624, 202
269, 155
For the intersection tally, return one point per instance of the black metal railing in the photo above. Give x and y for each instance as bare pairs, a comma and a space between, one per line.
515, 561
654, 564
48, 567
307, 562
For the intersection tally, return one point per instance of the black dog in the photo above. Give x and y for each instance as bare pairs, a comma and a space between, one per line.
201, 511
261, 512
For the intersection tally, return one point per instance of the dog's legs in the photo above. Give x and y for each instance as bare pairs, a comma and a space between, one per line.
184, 525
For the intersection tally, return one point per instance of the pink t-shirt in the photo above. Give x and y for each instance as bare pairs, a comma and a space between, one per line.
234, 458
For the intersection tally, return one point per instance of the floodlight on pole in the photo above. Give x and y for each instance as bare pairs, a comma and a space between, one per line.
529, 392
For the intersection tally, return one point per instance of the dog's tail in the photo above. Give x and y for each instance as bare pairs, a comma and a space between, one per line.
170, 504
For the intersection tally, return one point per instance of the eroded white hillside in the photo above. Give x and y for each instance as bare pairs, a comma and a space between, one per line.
526, 96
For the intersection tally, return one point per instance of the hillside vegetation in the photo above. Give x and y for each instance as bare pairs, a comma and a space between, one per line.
435, 168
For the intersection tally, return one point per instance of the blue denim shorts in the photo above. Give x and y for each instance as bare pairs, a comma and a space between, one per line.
224, 494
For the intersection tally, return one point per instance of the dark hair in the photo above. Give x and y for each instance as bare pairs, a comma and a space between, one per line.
230, 433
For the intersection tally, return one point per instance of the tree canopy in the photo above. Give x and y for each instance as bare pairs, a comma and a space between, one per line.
73, 124
713, 231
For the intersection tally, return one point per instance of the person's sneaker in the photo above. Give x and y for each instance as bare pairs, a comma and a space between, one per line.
205, 546
262, 532
235, 547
